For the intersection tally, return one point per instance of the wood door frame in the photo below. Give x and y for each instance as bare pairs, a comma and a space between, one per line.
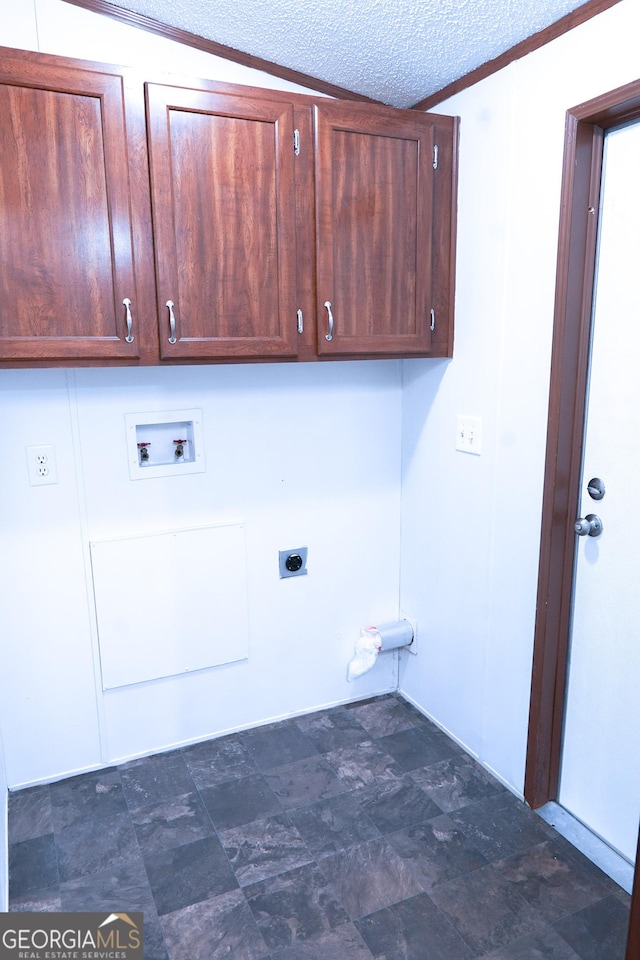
579, 208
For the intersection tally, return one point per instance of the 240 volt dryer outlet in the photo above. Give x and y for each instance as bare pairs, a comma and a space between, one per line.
293, 563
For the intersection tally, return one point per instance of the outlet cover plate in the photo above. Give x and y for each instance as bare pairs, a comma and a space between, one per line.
41, 465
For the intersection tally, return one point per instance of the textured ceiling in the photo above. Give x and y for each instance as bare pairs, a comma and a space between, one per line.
396, 51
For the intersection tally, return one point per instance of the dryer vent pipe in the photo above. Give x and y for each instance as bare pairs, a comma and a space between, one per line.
376, 640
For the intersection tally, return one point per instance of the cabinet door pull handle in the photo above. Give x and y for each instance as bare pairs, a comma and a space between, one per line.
432, 325
172, 323
127, 305
329, 335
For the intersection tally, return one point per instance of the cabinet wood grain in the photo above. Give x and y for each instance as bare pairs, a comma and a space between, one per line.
374, 182
156, 220
222, 178
66, 242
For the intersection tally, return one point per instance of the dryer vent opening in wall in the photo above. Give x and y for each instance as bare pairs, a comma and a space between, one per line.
166, 444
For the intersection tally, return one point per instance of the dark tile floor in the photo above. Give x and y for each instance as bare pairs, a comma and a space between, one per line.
354, 833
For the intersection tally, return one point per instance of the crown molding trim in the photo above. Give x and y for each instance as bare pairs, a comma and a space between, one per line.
588, 10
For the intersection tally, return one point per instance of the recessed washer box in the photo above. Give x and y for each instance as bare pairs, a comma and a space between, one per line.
164, 444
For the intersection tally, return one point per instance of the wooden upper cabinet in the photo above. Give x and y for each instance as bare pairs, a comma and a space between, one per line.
374, 185
165, 222
223, 201
66, 248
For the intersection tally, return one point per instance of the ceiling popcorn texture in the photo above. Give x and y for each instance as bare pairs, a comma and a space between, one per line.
396, 51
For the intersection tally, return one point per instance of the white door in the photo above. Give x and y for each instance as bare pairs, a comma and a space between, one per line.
600, 772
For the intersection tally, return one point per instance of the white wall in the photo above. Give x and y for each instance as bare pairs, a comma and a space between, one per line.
304, 455
471, 524
4, 836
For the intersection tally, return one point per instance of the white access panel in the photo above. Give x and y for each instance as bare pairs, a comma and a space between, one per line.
170, 602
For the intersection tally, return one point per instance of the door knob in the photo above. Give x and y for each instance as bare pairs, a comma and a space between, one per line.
590, 526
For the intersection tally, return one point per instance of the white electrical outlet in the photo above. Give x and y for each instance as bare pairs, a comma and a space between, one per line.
41, 465
469, 434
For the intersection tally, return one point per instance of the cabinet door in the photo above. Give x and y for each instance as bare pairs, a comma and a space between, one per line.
66, 249
374, 181
224, 223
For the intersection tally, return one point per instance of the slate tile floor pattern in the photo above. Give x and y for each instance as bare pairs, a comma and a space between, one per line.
354, 833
